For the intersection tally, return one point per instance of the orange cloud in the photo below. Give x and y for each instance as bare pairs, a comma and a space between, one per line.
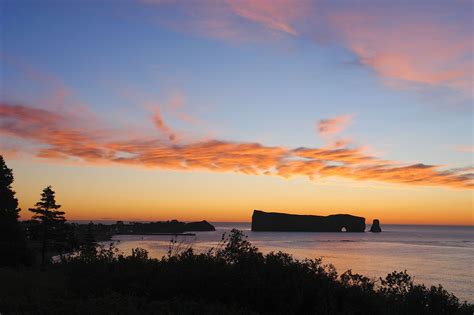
332, 126
56, 137
54, 133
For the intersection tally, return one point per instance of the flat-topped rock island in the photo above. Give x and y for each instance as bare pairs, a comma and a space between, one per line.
281, 222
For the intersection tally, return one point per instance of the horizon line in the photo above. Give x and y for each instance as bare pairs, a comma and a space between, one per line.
245, 222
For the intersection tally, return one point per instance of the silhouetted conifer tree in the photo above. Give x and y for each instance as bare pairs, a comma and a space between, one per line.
8, 203
53, 233
12, 242
89, 245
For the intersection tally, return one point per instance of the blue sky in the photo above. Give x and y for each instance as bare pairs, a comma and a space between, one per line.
265, 74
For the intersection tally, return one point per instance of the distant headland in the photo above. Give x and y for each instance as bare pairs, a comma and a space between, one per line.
105, 232
164, 227
281, 222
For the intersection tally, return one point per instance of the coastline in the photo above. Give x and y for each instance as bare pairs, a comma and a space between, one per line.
432, 255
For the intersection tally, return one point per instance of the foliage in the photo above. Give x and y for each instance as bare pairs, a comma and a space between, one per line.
13, 249
88, 247
55, 236
233, 278
46, 209
8, 203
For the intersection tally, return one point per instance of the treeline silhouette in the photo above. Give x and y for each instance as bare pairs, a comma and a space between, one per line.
232, 278
48, 233
143, 228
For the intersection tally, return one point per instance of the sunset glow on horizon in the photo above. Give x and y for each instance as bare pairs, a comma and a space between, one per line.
160, 110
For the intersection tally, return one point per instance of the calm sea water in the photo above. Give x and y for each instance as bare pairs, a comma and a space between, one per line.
432, 254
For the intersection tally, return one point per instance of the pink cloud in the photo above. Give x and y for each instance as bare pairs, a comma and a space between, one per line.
340, 143
175, 107
465, 148
277, 15
405, 44
171, 106
332, 126
160, 124
235, 21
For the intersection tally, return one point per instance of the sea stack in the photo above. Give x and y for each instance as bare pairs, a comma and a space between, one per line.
375, 228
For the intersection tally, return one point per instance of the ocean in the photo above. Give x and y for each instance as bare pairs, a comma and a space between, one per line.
431, 254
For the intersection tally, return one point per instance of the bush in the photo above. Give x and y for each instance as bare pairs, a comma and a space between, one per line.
233, 278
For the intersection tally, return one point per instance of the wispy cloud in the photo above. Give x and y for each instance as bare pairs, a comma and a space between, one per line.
405, 44
465, 148
235, 21
160, 124
56, 137
329, 130
333, 126
50, 131
411, 44
173, 105
277, 15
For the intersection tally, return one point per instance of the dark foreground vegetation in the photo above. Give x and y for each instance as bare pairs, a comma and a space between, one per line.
233, 278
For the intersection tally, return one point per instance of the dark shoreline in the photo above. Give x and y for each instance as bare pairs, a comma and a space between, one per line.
236, 224
151, 233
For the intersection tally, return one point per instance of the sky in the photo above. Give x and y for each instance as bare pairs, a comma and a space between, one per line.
192, 110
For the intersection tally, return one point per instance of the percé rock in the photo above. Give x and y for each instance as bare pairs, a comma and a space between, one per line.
199, 226
282, 222
375, 228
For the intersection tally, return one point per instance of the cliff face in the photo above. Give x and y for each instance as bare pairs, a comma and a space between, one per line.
281, 222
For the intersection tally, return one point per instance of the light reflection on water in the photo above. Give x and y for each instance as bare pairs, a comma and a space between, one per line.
432, 254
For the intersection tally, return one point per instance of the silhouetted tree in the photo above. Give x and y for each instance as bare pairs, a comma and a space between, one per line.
12, 242
8, 203
89, 244
53, 232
